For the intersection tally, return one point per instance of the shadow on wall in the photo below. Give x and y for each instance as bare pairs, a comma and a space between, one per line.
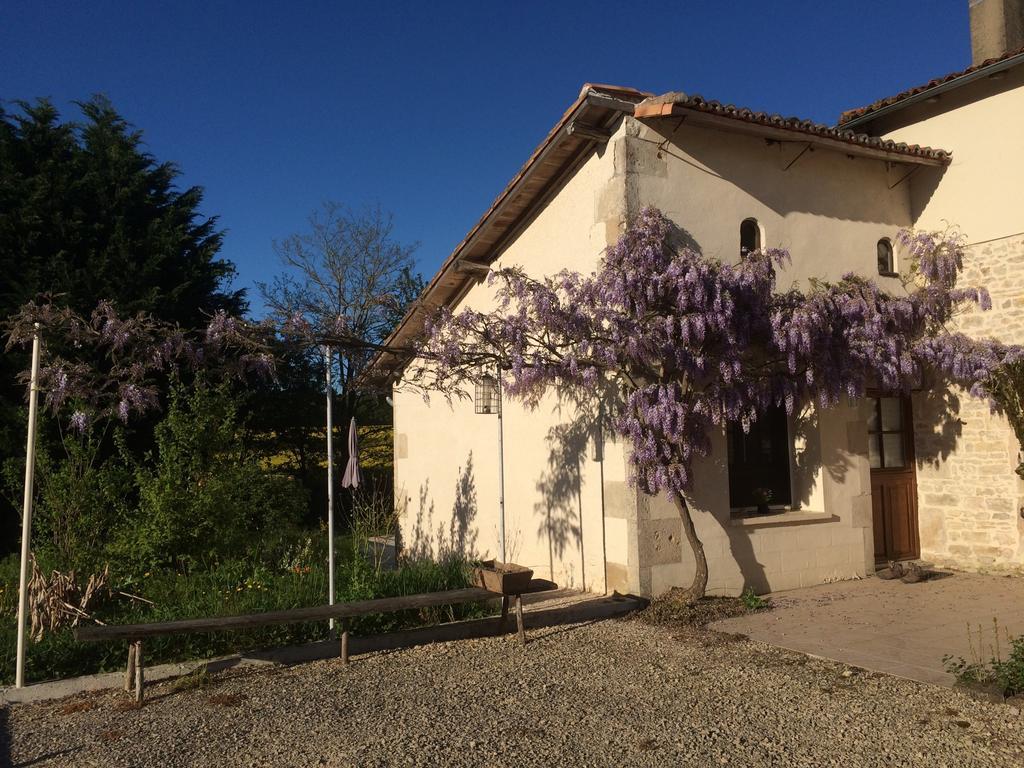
937, 427
702, 149
560, 509
937, 424
560, 486
809, 457
456, 539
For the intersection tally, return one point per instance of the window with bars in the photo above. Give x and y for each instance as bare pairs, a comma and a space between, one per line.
887, 440
487, 395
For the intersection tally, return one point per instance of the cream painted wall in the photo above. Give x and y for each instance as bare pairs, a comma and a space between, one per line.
829, 543
575, 520
981, 124
827, 209
553, 494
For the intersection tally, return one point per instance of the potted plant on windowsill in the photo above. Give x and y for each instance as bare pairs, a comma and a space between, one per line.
761, 498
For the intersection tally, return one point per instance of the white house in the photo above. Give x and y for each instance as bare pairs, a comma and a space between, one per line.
932, 476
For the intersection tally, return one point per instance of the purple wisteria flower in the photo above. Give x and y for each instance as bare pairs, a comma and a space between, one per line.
687, 343
693, 342
79, 422
137, 354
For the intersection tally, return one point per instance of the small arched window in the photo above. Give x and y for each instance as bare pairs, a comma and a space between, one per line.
750, 236
886, 260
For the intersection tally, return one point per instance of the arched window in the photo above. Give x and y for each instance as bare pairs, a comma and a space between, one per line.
886, 260
750, 236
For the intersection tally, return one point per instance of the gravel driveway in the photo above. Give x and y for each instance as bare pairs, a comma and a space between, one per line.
617, 692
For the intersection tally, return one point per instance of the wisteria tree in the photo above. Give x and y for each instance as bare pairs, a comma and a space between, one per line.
688, 344
107, 366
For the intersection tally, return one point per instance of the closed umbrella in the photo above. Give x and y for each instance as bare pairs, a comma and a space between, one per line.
353, 474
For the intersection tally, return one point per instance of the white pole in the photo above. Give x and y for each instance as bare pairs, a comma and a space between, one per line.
501, 472
330, 485
26, 518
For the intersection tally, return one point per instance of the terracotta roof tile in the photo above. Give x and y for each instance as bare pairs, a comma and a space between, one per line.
851, 114
650, 108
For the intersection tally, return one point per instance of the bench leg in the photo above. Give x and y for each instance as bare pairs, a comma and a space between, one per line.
504, 612
129, 672
519, 619
344, 642
139, 678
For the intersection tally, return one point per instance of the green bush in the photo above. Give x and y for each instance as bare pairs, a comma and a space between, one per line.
753, 601
206, 496
1006, 674
81, 498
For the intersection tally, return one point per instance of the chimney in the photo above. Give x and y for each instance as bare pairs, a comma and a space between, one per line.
997, 27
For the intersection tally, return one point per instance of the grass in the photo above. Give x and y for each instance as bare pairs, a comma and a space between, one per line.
753, 601
232, 588
1005, 674
193, 681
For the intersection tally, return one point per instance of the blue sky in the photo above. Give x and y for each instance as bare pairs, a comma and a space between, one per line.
429, 108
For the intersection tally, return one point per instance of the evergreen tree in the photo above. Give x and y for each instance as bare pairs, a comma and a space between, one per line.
87, 214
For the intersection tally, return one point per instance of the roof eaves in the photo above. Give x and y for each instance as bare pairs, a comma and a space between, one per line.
863, 115
460, 264
728, 116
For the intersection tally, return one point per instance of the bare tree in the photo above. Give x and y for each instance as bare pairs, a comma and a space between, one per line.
347, 278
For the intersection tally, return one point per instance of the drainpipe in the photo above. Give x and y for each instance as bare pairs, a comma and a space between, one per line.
501, 472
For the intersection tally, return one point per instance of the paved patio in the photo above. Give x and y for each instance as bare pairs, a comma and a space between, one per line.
887, 626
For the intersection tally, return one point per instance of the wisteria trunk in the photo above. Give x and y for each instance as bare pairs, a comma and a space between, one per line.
696, 590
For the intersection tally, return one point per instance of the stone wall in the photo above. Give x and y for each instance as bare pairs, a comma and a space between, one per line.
969, 496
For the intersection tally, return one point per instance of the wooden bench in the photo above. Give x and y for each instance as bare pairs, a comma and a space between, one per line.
135, 633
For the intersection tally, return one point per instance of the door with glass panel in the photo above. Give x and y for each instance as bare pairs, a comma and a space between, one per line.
893, 479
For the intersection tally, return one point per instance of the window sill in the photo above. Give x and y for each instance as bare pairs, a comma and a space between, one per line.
782, 517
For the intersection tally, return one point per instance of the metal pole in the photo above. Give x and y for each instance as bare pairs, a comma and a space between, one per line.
26, 518
501, 472
330, 484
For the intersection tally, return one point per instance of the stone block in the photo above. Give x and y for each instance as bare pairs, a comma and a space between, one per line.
862, 516
617, 576
663, 577
767, 540
660, 542
781, 581
813, 536
619, 500
940, 500
796, 559
616, 538
831, 557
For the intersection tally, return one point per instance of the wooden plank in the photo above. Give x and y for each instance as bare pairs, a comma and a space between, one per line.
293, 615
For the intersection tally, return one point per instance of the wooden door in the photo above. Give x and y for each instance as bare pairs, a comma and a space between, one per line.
893, 479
